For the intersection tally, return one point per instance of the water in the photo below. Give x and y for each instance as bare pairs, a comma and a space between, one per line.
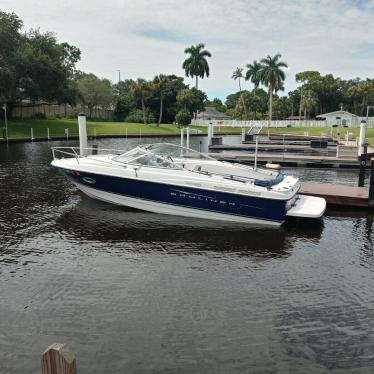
135, 292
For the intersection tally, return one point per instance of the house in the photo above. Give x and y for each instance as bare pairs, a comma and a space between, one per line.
340, 118
211, 113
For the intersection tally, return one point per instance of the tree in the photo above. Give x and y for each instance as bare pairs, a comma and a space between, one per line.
237, 75
253, 74
196, 65
161, 84
183, 117
33, 65
141, 91
272, 76
94, 92
309, 102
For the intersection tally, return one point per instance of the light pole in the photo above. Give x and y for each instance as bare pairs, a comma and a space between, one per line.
6, 123
119, 75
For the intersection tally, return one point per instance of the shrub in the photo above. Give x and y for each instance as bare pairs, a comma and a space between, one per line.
39, 115
136, 116
183, 117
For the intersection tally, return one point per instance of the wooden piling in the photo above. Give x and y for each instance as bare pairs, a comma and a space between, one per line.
58, 359
371, 184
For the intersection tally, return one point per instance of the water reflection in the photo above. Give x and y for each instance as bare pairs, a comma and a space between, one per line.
97, 221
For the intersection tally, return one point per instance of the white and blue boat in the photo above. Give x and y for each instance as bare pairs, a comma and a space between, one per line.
169, 179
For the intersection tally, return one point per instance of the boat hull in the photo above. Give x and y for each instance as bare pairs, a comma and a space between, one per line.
179, 200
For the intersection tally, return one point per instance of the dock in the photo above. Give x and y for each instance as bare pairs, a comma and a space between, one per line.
336, 194
289, 159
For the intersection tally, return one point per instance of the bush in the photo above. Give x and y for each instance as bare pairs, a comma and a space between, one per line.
183, 117
136, 116
39, 115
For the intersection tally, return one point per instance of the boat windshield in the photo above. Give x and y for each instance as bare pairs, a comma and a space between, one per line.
160, 155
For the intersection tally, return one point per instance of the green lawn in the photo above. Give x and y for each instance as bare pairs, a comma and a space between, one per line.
22, 128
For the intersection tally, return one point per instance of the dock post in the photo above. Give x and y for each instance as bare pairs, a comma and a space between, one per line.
210, 133
182, 136
48, 137
371, 185
361, 176
187, 137
243, 134
82, 133
362, 136
58, 359
32, 134
255, 166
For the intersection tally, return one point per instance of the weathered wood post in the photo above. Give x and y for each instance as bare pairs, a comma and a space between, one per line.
58, 359
371, 184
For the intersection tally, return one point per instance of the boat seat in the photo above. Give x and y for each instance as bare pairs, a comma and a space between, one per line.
269, 182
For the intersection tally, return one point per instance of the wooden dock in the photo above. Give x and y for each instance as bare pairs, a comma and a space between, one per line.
336, 194
290, 159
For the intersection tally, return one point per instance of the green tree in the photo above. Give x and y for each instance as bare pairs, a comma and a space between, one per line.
183, 117
272, 76
33, 65
237, 75
161, 84
94, 92
253, 75
141, 91
309, 102
196, 65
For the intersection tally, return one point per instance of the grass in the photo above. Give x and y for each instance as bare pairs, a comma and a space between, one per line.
21, 128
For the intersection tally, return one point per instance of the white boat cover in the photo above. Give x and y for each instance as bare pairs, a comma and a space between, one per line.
307, 207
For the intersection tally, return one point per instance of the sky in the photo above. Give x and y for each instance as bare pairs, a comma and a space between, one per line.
142, 38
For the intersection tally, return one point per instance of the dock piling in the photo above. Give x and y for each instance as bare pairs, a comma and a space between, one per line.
371, 184
82, 133
58, 359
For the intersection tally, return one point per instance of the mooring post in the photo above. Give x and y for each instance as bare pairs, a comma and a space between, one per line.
82, 128
58, 359
187, 137
243, 134
361, 176
48, 137
182, 136
95, 149
362, 136
371, 185
32, 134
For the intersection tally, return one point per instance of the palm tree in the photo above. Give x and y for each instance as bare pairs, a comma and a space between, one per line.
238, 74
196, 65
140, 90
254, 75
272, 76
161, 83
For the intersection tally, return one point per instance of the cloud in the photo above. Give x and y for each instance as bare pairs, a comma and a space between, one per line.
144, 37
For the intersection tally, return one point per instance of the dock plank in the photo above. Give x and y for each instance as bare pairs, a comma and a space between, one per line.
336, 194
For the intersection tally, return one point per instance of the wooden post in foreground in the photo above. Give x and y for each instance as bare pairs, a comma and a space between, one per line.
58, 359
371, 185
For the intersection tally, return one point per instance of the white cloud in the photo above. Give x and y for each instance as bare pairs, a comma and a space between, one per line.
332, 36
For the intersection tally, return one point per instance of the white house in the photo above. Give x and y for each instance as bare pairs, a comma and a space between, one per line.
340, 118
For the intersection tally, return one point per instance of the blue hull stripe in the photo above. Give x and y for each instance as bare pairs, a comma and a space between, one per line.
188, 197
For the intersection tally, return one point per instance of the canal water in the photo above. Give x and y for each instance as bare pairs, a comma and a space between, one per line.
135, 292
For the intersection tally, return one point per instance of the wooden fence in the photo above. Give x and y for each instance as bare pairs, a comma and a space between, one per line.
59, 110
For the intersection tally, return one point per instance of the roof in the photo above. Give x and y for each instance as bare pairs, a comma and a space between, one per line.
338, 113
211, 112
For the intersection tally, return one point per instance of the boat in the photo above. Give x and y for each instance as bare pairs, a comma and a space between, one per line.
170, 179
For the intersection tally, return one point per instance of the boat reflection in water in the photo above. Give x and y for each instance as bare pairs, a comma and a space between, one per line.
124, 228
